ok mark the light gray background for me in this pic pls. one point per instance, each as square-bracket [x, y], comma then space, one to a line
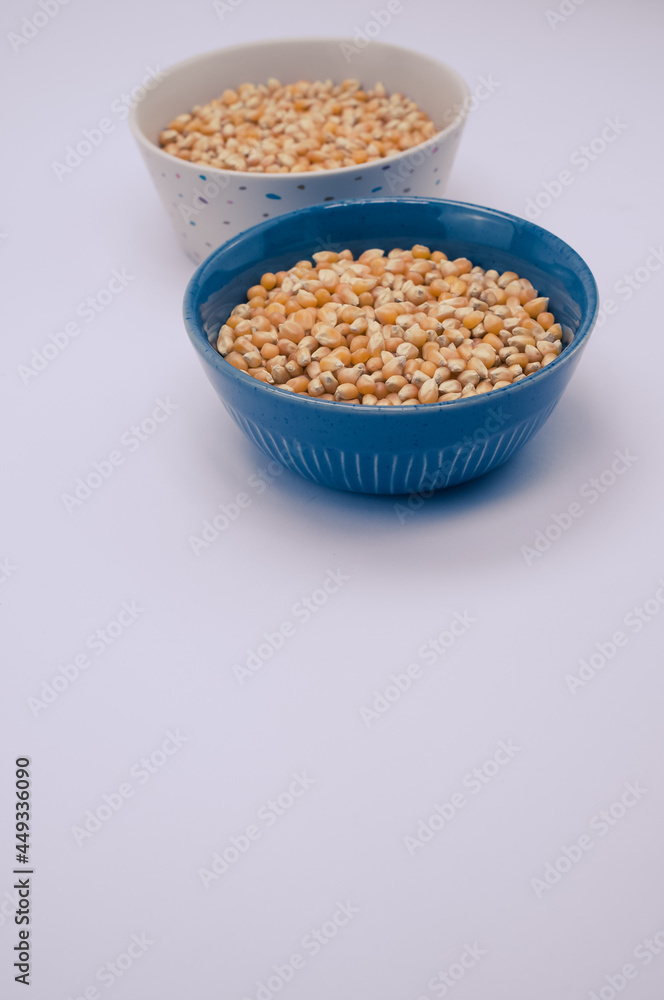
[67, 573]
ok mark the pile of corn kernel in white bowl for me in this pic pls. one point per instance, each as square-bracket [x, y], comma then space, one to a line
[404, 328]
[297, 127]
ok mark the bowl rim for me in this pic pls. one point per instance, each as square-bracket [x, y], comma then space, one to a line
[208, 352]
[456, 123]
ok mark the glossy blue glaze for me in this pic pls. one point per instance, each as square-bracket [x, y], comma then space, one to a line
[370, 449]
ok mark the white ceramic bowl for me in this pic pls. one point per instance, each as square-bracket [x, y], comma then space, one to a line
[208, 206]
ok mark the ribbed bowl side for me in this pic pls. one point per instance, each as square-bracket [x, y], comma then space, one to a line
[386, 472]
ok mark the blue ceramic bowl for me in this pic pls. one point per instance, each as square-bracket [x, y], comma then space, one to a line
[385, 449]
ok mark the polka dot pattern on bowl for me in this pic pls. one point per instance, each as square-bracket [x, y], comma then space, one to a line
[209, 208]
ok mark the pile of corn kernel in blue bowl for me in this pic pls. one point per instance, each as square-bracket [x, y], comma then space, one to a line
[401, 328]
